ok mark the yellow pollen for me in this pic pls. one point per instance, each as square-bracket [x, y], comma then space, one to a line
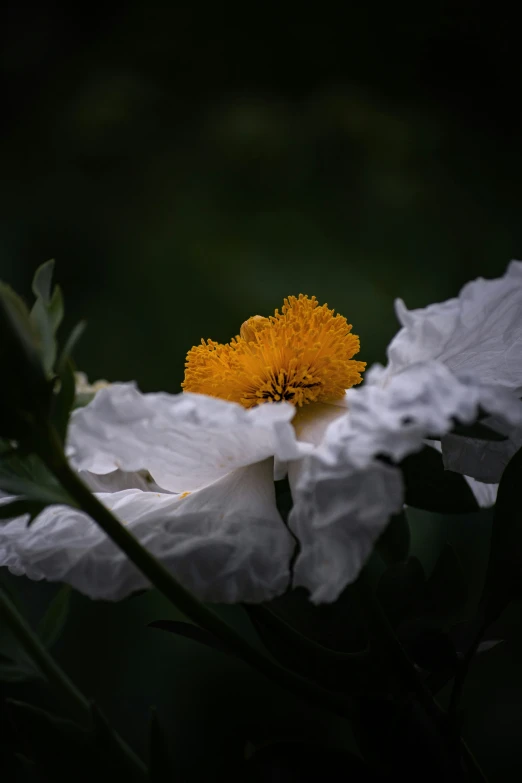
[302, 354]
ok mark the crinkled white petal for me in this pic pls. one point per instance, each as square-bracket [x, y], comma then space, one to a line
[424, 399]
[339, 512]
[225, 542]
[478, 332]
[185, 441]
[344, 495]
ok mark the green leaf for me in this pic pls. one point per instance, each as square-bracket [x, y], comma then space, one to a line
[43, 324]
[347, 672]
[47, 313]
[17, 669]
[63, 400]
[115, 754]
[284, 500]
[56, 309]
[504, 574]
[394, 544]
[26, 476]
[447, 585]
[160, 767]
[193, 632]
[70, 344]
[18, 508]
[401, 589]
[53, 621]
[432, 488]
[42, 281]
[29, 490]
[478, 431]
[25, 391]
[42, 733]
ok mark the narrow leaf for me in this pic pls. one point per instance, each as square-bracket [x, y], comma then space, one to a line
[18, 508]
[193, 632]
[394, 544]
[64, 400]
[70, 344]
[42, 281]
[54, 619]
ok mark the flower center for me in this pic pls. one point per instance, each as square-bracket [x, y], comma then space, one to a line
[302, 354]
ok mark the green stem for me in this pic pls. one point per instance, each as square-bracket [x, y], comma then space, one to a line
[50, 450]
[77, 705]
[73, 700]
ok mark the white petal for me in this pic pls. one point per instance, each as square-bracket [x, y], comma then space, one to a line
[485, 494]
[339, 512]
[185, 441]
[343, 495]
[478, 332]
[118, 480]
[226, 542]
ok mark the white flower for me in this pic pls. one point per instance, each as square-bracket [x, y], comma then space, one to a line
[449, 362]
[479, 334]
[191, 476]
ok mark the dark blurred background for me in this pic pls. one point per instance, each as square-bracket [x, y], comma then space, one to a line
[189, 165]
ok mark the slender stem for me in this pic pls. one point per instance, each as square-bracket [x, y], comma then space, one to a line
[50, 450]
[73, 700]
[77, 704]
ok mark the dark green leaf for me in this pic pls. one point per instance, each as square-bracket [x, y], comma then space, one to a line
[432, 488]
[284, 500]
[70, 344]
[43, 324]
[478, 431]
[349, 672]
[504, 574]
[29, 490]
[447, 586]
[429, 647]
[17, 670]
[63, 401]
[193, 632]
[18, 508]
[42, 281]
[394, 544]
[401, 589]
[56, 308]
[43, 733]
[160, 767]
[25, 392]
[54, 619]
[116, 756]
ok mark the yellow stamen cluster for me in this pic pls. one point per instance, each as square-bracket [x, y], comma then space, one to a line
[302, 354]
